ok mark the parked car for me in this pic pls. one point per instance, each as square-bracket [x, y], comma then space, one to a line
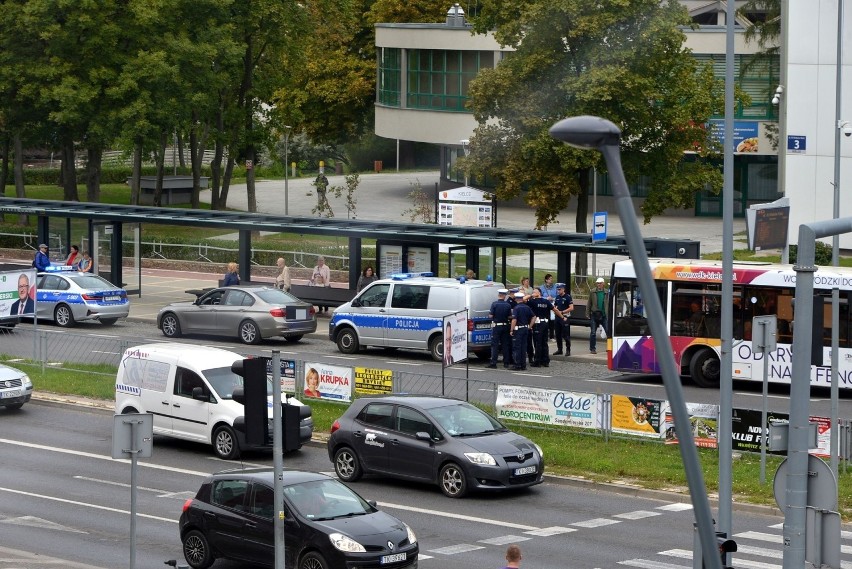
[66, 297]
[438, 440]
[251, 313]
[328, 526]
[8, 322]
[15, 387]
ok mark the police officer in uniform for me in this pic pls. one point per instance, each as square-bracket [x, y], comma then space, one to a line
[565, 304]
[522, 319]
[501, 315]
[542, 308]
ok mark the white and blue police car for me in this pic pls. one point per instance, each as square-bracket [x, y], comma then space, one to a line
[67, 296]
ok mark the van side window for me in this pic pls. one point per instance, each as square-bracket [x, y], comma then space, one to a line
[376, 295]
[187, 380]
[410, 296]
[230, 493]
[377, 415]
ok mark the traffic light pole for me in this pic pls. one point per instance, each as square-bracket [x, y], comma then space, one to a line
[278, 458]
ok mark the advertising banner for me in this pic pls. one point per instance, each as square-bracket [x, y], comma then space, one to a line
[288, 375]
[548, 406]
[636, 416]
[373, 380]
[18, 293]
[325, 381]
[455, 338]
[704, 419]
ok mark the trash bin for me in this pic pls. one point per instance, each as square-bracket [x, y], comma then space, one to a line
[377, 165]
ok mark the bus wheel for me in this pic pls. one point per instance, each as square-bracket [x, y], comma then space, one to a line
[705, 369]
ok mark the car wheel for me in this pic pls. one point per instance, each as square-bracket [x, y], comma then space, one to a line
[436, 348]
[108, 321]
[295, 338]
[453, 481]
[313, 560]
[14, 406]
[170, 325]
[225, 443]
[196, 550]
[129, 410]
[249, 333]
[347, 341]
[346, 465]
[705, 369]
[63, 316]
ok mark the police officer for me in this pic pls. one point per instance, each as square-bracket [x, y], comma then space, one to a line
[522, 319]
[501, 315]
[565, 304]
[542, 308]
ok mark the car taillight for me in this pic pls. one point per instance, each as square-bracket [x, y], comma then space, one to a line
[277, 312]
[470, 325]
[187, 504]
[88, 297]
[312, 311]
[335, 426]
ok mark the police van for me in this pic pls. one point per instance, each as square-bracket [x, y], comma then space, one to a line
[189, 390]
[407, 310]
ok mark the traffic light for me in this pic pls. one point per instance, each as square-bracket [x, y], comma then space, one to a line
[290, 418]
[724, 546]
[253, 397]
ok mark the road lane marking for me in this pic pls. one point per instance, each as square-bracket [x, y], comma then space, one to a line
[503, 540]
[34, 522]
[637, 515]
[675, 507]
[454, 549]
[182, 495]
[457, 516]
[30, 559]
[596, 523]
[553, 530]
[83, 504]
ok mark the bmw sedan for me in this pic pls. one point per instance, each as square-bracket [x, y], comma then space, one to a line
[437, 440]
[251, 313]
[327, 525]
[67, 297]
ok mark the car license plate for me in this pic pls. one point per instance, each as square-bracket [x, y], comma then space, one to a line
[393, 558]
[524, 470]
[112, 298]
[10, 393]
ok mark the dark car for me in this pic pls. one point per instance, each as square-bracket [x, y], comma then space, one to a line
[327, 525]
[250, 313]
[432, 439]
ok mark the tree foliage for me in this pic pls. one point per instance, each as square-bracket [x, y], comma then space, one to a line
[622, 60]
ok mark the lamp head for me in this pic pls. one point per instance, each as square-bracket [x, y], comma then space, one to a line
[586, 132]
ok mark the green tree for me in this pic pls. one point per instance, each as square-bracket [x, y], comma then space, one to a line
[621, 60]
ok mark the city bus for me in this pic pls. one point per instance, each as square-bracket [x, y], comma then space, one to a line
[690, 291]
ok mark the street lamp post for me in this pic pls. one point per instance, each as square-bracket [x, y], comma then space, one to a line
[286, 169]
[601, 134]
[466, 149]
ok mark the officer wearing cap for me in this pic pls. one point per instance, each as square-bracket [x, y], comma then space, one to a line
[501, 315]
[41, 261]
[565, 304]
[598, 301]
[522, 319]
[542, 308]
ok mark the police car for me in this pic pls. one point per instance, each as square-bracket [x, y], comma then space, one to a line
[67, 296]
[407, 311]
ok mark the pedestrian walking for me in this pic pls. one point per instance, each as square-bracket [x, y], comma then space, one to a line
[41, 261]
[548, 291]
[282, 279]
[321, 184]
[501, 316]
[231, 277]
[543, 309]
[321, 276]
[513, 557]
[565, 304]
[598, 301]
[522, 319]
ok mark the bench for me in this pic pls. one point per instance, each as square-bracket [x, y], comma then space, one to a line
[176, 189]
[578, 316]
[322, 295]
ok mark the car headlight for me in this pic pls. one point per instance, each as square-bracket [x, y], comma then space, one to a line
[412, 539]
[345, 543]
[538, 448]
[481, 458]
[27, 381]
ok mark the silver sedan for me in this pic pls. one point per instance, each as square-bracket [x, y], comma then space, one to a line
[247, 312]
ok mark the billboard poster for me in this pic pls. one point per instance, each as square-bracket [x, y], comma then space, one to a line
[636, 416]
[703, 420]
[548, 406]
[419, 259]
[18, 293]
[390, 260]
[455, 338]
[373, 380]
[325, 381]
[288, 374]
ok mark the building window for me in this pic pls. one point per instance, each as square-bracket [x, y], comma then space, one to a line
[439, 79]
[757, 75]
[390, 74]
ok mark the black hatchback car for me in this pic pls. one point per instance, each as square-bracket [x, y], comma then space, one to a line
[327, 525]
[432, 439]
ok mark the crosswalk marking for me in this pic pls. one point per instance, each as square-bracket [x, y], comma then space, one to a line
[740, 562]
[637, 515]
[676, 507]
[760, 536]
[503, 540]
[453, 549]
[646, 564]
[546, 532]
[596, 523]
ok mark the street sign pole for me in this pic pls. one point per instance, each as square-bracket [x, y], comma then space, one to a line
[133, 435]
[278, 459]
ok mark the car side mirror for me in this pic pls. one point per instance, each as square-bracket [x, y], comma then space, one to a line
[373, 503]
[199, 395]
[423, 436]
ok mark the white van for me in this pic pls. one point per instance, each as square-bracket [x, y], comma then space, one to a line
[407, 310]
[160, 379]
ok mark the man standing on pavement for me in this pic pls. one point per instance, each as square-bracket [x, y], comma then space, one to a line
[522, 319]
[548, 291]
[542, 308]
[565, 304]
[598, 301]
[500, 314]
[41, 261]
[513, 557]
